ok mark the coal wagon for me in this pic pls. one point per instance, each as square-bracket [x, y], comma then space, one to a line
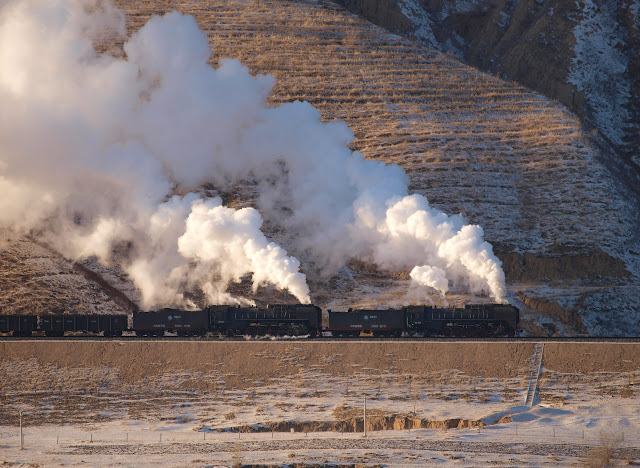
[59, 325]
[18, 325]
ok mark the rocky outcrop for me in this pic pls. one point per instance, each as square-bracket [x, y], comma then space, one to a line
[561, 264]
[552, 309]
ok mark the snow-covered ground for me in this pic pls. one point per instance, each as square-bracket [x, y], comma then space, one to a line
[576, 415]
[148, 445]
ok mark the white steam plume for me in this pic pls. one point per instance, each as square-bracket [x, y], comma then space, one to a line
[92, 147]
[232, 241]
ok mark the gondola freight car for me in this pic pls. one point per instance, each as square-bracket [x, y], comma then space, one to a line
[18, 325]
[107, 325]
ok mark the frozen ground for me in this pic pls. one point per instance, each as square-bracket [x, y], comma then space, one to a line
[302, 404]
[157, 444]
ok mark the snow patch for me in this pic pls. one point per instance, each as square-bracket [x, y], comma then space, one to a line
[421, 20]
[599, 67]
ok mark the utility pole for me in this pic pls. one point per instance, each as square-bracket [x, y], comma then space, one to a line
[21, 437]
[365, 415]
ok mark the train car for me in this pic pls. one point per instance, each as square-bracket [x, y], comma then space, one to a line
[51, 325]
[108, 325]
[18, 325]
[472, 320]
[274, 320]
[182, 322]
[388, 322]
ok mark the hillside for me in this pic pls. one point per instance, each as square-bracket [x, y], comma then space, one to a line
[510, 160]
[583, 54]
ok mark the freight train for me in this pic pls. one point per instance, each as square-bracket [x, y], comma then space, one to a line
[482, 320]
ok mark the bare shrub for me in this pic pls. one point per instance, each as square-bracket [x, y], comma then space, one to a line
[604, 454]
[237, 458]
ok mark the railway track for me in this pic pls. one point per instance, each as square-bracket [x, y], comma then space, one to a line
[170, 338]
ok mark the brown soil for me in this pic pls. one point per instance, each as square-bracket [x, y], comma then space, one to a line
[394, 422]
[250, 361]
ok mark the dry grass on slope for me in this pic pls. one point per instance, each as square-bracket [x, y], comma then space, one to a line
[511, 160]
[36, 280]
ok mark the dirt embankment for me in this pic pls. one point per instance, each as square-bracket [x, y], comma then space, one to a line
[242, 362]
[356, 424]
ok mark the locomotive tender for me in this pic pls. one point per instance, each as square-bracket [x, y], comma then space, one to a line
[279, 320]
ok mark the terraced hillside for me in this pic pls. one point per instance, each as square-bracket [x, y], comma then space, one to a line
[584, 54]
[510, 160]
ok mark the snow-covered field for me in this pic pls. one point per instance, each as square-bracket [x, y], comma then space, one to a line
[136, 443]
[542, 436]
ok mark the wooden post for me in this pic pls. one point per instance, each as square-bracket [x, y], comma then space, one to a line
[365, 415]
[21, 436]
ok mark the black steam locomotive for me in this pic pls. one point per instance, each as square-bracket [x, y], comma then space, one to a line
[472, 320]
[280, 320]
[274, 320]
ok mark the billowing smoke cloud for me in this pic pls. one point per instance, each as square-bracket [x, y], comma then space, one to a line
[93, 150]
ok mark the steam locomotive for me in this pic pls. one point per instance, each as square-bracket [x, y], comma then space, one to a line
[482, 320]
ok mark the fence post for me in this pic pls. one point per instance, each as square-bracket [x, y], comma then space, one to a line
[365, 415]
[21, 436]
